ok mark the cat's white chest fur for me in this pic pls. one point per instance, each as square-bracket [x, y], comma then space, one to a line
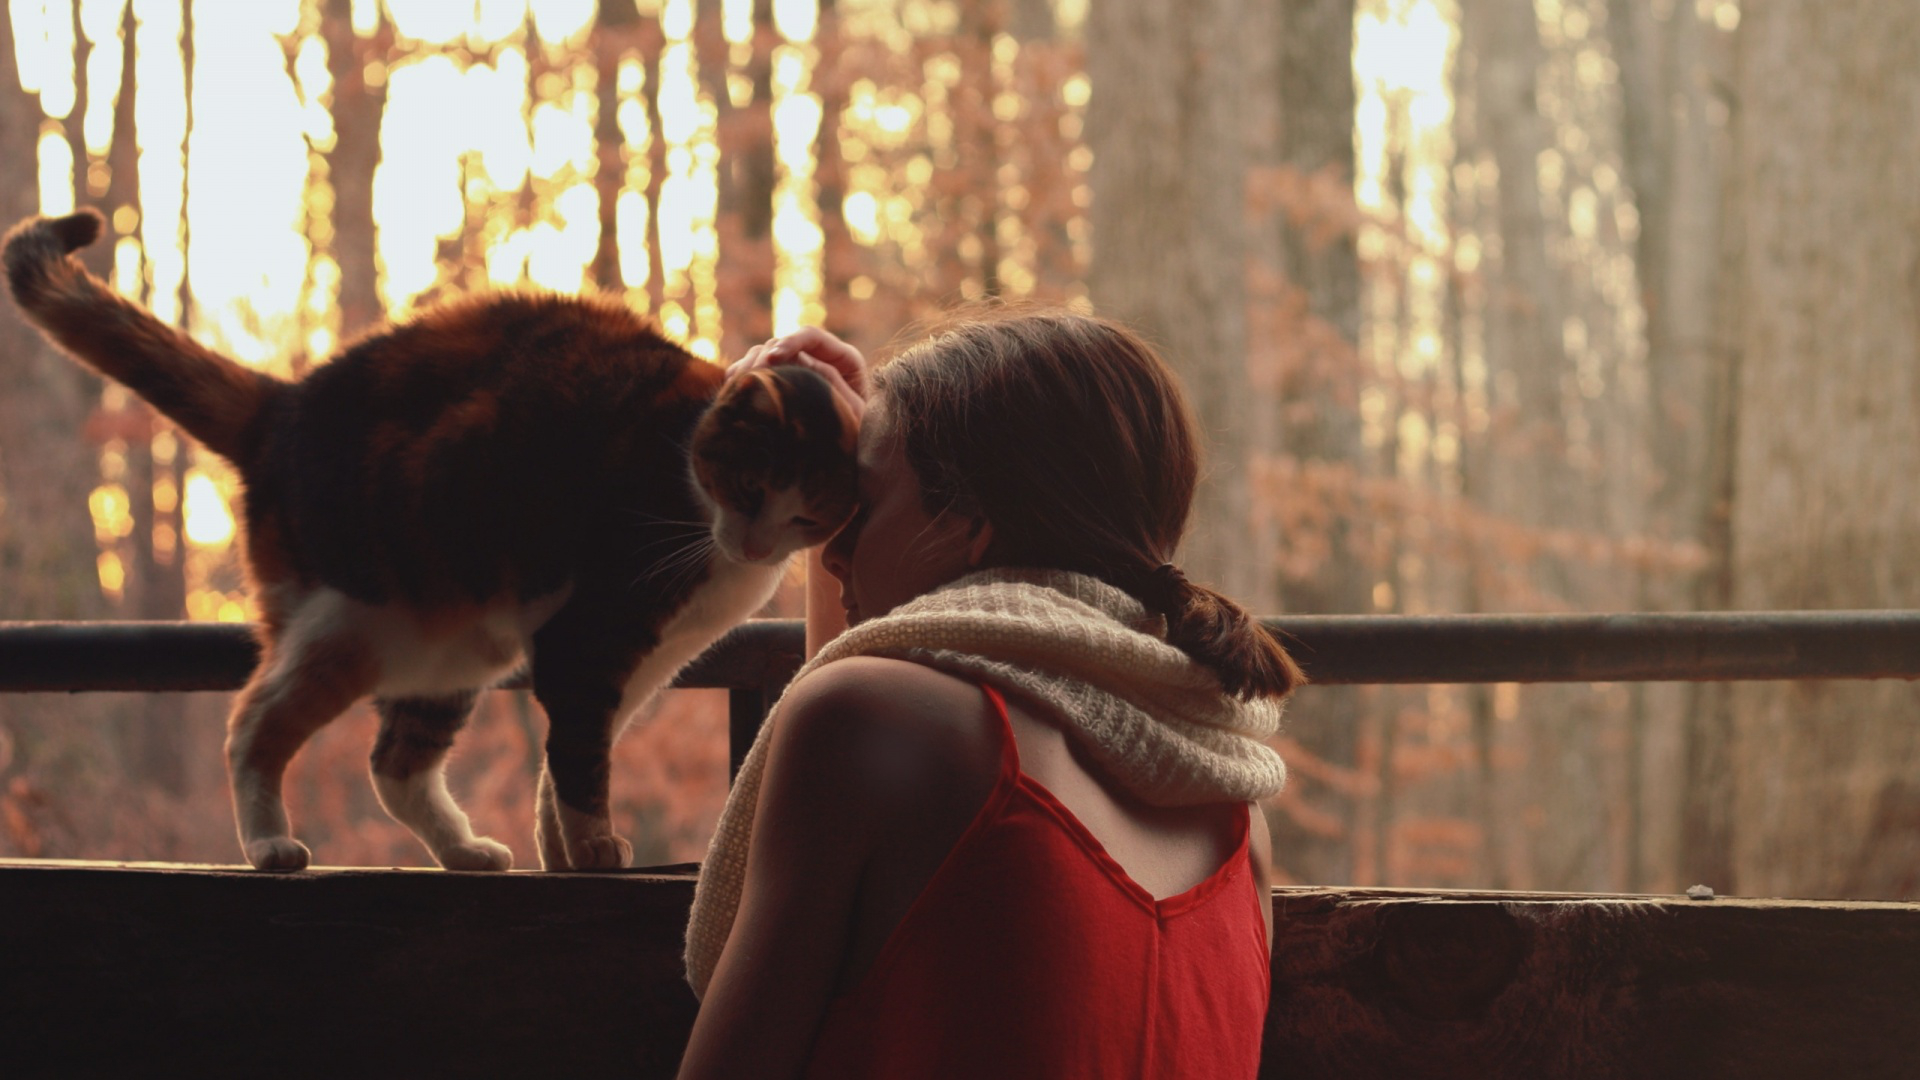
[732, 593]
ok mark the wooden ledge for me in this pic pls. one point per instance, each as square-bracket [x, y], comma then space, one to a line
[132, 968]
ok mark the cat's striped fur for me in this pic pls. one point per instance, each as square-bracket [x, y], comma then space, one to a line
[513, 479]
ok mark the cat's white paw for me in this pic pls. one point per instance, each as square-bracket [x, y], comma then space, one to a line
[606, 852]
[483, 853]
[277, 853]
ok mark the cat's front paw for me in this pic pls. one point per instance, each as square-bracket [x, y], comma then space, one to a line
[277, 853]
[481, 853]
[604, 852]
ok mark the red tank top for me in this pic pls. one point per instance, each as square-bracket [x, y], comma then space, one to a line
[1031, 953]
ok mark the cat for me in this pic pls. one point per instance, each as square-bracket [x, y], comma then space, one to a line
[506, 480]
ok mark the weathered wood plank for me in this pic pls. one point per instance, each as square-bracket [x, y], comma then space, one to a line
[225, 972]
[1524, 985]
[134, 969]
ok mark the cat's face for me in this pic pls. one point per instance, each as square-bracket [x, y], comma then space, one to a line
[774, 460]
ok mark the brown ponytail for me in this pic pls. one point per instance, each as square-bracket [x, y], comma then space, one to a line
[1219, 634]
[1072, 436]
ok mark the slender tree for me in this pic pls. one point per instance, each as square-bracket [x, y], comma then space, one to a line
[1167, 135]
[1533, 471]
[47, 568]
[1307, 309]
[1672, 82]
[356, 109]
[1824, 325]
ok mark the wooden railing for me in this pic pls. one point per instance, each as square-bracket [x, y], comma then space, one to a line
[132, 969]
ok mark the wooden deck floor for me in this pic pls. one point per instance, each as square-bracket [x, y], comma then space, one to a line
[143, 969]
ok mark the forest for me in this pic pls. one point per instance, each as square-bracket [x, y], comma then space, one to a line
[1485, 306]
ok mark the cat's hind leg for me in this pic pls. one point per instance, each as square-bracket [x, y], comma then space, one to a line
[303, 682]
[410, 776]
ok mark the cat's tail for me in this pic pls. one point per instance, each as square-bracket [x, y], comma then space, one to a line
[217, 400]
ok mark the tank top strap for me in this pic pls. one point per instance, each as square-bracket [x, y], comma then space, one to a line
[1009, 749]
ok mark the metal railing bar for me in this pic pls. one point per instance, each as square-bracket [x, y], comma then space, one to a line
[763, 654]
[75, 657]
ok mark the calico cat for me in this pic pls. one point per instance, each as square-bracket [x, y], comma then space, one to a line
[506, 480]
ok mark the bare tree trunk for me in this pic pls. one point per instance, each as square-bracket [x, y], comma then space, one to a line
[1302, 98]
[1167, 137]
[616, 30]
[47, 547]
[839, 256]
[1827, 446]
[747, 178]
[975, 130]
[1549, 463]
[1672, 70]
[152, 746]
[47, 568]
[356, 125]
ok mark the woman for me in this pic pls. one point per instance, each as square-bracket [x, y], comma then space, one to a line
[1001, 826]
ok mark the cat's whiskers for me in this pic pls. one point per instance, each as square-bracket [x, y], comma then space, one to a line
[680, 564]
[689, 538]
[655, 519]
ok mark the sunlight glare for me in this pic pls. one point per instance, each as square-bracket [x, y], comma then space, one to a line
[684, 219]
[564, 23]
[56, 170]
[112, 511]
[434, 21]
[315, 83]
[799, 242]
[498, 20]
[796, 19]
[736, 21]
[247, 176]
[28, 19]
[209, 522]
[47, 37]
[496, 99]
[417, 195]
[1403, 50]
[631, 210]
[562, 137]
[630, 222]
[160, 137]
[100, 22]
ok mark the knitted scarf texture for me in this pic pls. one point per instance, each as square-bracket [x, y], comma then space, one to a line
[1093, 656]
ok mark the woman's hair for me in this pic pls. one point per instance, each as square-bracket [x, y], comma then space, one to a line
[1072, 436]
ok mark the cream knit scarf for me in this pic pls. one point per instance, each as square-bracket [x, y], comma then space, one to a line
[1154, 719]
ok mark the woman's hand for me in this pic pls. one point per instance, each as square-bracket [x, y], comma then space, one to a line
[840, 363]
[846, 373]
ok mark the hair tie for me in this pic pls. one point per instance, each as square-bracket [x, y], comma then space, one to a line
[1163, 588]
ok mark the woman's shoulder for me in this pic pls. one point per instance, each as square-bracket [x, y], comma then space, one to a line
[888, 723]
[878, 684]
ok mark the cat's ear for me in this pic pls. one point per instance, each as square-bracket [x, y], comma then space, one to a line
[767, 395]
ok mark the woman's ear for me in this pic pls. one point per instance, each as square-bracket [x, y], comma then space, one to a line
[979, 539]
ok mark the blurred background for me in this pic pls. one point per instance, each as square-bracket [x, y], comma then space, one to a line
[1486, 305]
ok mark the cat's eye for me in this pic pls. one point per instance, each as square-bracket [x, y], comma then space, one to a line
[802, 521]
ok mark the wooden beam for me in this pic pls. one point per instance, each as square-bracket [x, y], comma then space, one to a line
[1405, 984]
[116, 969]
